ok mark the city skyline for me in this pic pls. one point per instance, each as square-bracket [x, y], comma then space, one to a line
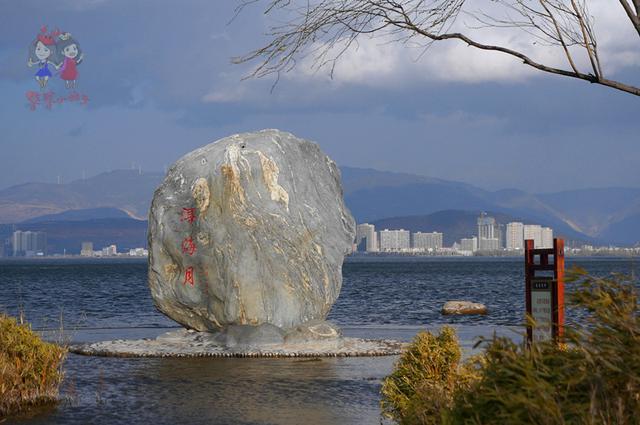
[367, 239]
[489, 238]
[34, 244]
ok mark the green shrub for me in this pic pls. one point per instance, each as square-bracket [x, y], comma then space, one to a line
[30, 369]
[425, 378]
[611, 345]
[517, 385]
[592, 378]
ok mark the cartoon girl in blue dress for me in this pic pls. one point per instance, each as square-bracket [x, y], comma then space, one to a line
[42, 52]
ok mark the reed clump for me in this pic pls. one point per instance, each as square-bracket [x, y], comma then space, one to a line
[592, 378]
[30, 369]
[426, 378]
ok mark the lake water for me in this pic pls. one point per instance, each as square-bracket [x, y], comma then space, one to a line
[381, 297]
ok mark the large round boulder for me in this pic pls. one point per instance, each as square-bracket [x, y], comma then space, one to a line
[249, 230]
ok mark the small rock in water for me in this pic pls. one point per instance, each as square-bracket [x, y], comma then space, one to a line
[249, 230]
[463, 307]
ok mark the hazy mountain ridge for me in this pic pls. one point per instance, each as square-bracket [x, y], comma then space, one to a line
[606, 215]
[626, 231]
[127, 190]
[355, 179]
[80, 215]
[575, 220]
[614, 205]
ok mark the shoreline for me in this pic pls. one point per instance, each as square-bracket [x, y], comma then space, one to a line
[71, 257]
[348, 259]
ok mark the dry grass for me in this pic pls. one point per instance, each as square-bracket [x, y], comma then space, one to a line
[30, 369]
[593, 378]
[425, 379]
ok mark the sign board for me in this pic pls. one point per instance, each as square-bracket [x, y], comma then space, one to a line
[545, 293]
[541, 302]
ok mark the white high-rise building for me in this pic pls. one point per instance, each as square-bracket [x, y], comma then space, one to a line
[489, 244]
[28, 243]
[110, 250]
[469, 244]
[547, 237]
[427, 241]
[486, 227]
[138, 252]
[394, 240]
[366, 237]
[86, 249]
[514, 236]
[489, 233]
[533, 231]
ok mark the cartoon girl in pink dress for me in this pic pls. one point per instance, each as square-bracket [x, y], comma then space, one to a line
[70, 56]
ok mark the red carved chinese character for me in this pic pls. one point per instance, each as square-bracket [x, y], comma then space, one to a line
[34, 99]
[188, 276]
[48, 99]
[85, 99]
[188, 214]
[188, 246]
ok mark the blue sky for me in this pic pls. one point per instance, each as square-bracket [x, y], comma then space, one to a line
[161, 83]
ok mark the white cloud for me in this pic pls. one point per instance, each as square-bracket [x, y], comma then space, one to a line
[377, 61]
[619, 44]
[228, 94]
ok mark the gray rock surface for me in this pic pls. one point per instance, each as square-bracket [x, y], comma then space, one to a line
[463, 307]
[189, 343]
[246, 336]
[249, 230]
[313, 331]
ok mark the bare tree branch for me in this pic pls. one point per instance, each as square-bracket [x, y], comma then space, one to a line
[560, 37]
[326, 29]
[589, 44]
[633, 17]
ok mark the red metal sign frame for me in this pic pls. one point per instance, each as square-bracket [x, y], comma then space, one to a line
[557, 283]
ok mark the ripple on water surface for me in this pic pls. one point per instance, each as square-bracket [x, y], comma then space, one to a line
[411, 291]
[380, 298]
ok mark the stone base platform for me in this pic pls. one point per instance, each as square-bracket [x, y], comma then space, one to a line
[185, 343]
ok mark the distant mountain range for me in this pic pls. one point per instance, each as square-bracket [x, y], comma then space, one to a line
[79, 215]
[591, 215]
[386, 199]
[126, 190]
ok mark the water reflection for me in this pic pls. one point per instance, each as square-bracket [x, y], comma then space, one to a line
[221, 391]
